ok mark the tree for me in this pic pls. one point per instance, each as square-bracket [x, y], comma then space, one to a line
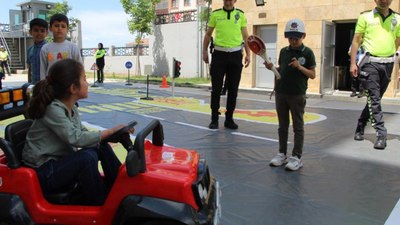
[142, 15]
[204, 18]
[205, 15]
[64, 8]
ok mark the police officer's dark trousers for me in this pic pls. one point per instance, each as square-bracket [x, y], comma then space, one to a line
[375, 78]
[227, 64]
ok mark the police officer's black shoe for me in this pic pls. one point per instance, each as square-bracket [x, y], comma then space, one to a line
[353, 94]
[358, 136]
[361, 94]
[213, 125]
[230, 124]
[380, 143]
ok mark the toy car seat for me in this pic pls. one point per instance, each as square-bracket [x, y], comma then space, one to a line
[12, 146]
[15, 134]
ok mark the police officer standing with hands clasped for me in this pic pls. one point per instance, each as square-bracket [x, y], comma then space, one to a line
[230, 25]
[378, 31]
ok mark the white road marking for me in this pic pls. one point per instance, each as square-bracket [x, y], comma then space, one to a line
[256, 137]
[195, 126]
[97, 127]
[153, 117]
[89, 125]
[394, 216]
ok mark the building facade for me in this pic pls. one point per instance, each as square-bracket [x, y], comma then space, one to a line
[330, 28]
[177, 33]
[15, 35]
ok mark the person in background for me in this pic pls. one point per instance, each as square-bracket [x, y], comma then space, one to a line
[2, 77]
[355, 83]
[378, 31]
[60, 48]
[4, 60]
[38, 30]
[99, 55]
[296, 65]
[230, 25]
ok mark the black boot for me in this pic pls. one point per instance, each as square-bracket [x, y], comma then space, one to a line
[380, 143]
[359, 135]
[213, 125]
[361, 94]
[214, 119]
[229, 123]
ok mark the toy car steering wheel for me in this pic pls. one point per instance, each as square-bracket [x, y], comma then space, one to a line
[123, 130]
[122, 135]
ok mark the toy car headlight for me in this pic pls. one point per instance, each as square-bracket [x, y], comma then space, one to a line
[29, 90]
[202, 185]
[202, 191]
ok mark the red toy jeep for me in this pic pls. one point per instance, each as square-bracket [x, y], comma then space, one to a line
[157, 185]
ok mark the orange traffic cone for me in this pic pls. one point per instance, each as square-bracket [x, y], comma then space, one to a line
[164, 83]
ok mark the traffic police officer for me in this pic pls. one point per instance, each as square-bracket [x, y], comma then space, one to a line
[4, 59]
[230, 25]
[379, 32]
[100, 62]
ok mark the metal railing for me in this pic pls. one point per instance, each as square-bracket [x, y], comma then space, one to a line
[118, 51]
[12, 31]
[131, 51]
[90, 51]
[177, 17]
[4, 27]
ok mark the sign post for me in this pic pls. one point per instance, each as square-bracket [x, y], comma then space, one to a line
[128, 65]
[147, 70]
[94, 68]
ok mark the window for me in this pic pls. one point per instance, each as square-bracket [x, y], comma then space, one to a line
[43, 14]
[187, 2]
[16, 19]
[162, 5]
[174, 4]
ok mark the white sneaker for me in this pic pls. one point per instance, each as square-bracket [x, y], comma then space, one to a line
[294, 163]
[278, 160]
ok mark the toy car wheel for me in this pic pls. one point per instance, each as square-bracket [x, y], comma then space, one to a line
[162, 222]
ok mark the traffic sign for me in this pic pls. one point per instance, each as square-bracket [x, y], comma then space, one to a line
[128, 65]
[94, 67]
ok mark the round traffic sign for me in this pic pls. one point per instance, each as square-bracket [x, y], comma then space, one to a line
[128, 64]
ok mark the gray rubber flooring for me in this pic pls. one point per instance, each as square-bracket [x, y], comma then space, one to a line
[342, 182]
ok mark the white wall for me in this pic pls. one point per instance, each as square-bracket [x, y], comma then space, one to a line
[179, 40]
[116, 64]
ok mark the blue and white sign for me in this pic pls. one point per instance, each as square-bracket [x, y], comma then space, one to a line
[128, 65]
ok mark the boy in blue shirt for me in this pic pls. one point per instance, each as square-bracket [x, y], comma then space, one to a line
[38, 30]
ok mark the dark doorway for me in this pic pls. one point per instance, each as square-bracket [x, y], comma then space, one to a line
[344, 36]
